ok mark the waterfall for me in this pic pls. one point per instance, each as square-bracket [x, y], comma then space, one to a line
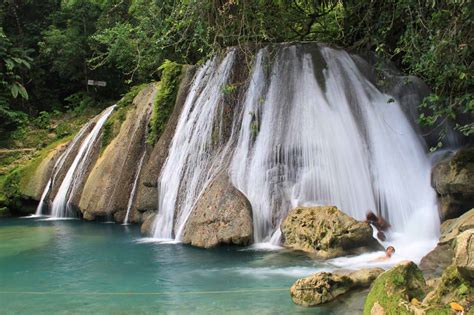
[192, 160]
[312, 129]
[58, 166]
[134, 188]
[75, 173]
[329, 136]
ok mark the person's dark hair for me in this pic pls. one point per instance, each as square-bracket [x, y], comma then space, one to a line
[371, 217]
[391, 247]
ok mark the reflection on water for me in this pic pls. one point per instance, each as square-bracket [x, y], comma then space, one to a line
[81, 267]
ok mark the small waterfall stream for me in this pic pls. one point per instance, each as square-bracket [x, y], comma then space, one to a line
[75, 173]
[311, 130]
[58, 166]
[134, 188]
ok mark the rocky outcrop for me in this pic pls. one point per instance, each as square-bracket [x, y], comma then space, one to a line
[222, 215]
[324, 287]
[453, 181]
[326, 231]
[394, 290]
[36, 182]
[464, 257]
[147, 191]
[109, 183]
[455, 283]
[436, 261]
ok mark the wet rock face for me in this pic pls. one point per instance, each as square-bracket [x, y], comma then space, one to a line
[434, 263]
[453, 181]
[222, 215]
[147, 190]
[393, 290]
[109, 183]
[326, 231]
[324, 287]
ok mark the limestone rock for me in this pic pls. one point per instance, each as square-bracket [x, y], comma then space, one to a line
[450, 229]
[109, 183]
[36, 183]
[324, 287]
[453, 181]
[434, 263]
[325, 231]
[147, 225]
[147, 191]
[222, 215]
[393, 290]
[319, 288]
[88, 216]
[464, 257]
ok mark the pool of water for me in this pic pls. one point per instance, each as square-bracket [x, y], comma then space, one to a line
[81, 267]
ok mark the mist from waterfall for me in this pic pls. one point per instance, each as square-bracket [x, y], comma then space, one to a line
[74, 176]
[311, 130]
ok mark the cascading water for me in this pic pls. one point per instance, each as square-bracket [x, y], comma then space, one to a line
[58, 166]
[311, 130]
[134, 188]
[192, 161]
[75, 173]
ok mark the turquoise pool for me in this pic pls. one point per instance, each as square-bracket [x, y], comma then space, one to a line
[72, 267]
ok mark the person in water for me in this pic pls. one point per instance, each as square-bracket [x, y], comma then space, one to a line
[388, 254]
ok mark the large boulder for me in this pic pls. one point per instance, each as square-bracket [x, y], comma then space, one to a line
[148, 223]
[453, 181]
[222, 215]
[394, 290]
[326, 232]
[324, 287]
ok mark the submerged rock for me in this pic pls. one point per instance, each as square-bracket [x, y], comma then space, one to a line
[324, 287]
[222, 215]
[452, 180]
[326, 231]
[393, 290]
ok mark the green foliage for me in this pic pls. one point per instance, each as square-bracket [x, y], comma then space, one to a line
[113, 124]
[165, 99]
[429, 39]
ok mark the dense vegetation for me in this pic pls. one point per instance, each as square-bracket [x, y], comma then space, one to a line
[50, 48]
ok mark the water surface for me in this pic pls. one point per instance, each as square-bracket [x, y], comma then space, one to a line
[72, 267]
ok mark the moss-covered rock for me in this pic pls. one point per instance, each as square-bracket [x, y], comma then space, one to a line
[326, 232]
[393, 290]
[165, 99]
[323, 287]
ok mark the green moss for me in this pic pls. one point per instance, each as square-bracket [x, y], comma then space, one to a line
[395, 288]
[13, 183]
[113, 124]
[165, 99]
[452, 287]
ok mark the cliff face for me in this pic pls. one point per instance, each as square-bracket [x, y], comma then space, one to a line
[108, 186]
[113, 167]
